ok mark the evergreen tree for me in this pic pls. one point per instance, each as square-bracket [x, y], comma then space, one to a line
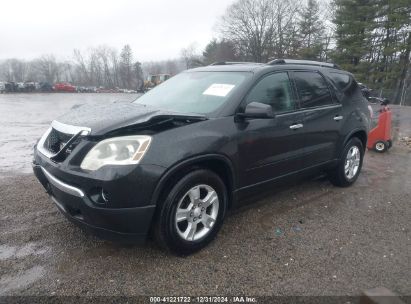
[138, 73]
[216, 51]
[394, 21]
[311, 31]
[126, 66]
[355, 23]
[373, 41]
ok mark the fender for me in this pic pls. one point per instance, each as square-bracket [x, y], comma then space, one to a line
[349, 135]
[186, 163]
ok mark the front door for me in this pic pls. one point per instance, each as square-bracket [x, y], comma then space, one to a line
[273, 147]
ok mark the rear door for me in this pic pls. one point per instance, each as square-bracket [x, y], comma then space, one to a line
[323, 117]
[270, 148]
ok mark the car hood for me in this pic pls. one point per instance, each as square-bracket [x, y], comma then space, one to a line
[102, 119]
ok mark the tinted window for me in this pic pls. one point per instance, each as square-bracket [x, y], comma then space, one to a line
[274, 90]
[312, 89]
[340, 80]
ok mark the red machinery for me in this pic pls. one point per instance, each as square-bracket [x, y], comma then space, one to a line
[379, 138]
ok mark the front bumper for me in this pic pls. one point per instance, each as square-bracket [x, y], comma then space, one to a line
[126, 225]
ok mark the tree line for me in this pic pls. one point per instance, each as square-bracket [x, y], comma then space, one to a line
[370, 38]
[102, 66]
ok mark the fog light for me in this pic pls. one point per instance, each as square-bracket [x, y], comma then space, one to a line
[99, 196]
[105, 196]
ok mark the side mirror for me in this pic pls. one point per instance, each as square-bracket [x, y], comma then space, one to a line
[257, 110]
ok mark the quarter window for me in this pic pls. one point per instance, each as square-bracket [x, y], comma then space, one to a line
[312, 89]
[274, 90]
[341, 80]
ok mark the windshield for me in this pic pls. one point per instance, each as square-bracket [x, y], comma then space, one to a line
[194, 92]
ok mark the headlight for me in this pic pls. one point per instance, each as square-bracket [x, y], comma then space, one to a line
[124, 150]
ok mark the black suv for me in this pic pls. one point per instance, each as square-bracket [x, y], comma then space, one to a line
[174, 161]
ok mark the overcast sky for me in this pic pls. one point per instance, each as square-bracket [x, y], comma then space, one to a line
[155, 29]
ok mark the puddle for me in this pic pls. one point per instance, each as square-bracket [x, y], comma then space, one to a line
[11, 252]
[21, 279]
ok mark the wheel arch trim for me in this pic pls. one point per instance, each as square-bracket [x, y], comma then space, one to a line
[164, 179]
[350, 135]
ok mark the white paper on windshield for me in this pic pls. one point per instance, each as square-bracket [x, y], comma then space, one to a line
[219, 89]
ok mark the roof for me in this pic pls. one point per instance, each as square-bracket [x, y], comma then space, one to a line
[253, 66]
[232, 67]
[303, 62]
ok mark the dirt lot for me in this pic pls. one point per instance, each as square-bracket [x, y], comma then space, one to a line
[310, 239]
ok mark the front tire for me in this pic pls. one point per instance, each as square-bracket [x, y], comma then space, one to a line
[350, 164]
[192, 213]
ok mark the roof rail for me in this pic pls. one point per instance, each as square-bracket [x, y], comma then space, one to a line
[304, 62]
[232, 63]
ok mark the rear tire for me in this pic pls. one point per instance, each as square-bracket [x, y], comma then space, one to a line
[350, 164]
[192, 213]
[381, 146]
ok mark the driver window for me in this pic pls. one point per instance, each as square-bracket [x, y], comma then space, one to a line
[274, 90]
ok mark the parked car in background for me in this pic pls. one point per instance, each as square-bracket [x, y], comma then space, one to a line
[106, 90]
[64, 87]
[120, 90]
[2, 87]
[11, 87]
[45, 87]
[129, 91]
[366, 91]
[82, 89]
[29, 87]
[21, 87]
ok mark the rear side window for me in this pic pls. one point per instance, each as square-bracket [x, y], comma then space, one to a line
[341, 81]
[312, 89]
[274, 90]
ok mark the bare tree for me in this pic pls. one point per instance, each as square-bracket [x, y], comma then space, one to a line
[95, 68]
[115, 67]
[105, 56]
[250, 25]
[138, 74]
[171, 67]
[190, 56]
[14, 70]
[47, 68]
[260, 29]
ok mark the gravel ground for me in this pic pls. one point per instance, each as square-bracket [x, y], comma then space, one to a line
[309, 239]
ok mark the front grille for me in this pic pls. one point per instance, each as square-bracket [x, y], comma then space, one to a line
[56, 141]
[60, 140]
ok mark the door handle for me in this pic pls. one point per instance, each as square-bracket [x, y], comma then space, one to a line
[337, 118]
[296, 126]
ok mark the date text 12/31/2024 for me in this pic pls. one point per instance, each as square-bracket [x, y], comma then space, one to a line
[207, 299]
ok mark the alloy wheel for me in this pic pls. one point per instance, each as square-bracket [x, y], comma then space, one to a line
[197, 212]
[352, 162]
